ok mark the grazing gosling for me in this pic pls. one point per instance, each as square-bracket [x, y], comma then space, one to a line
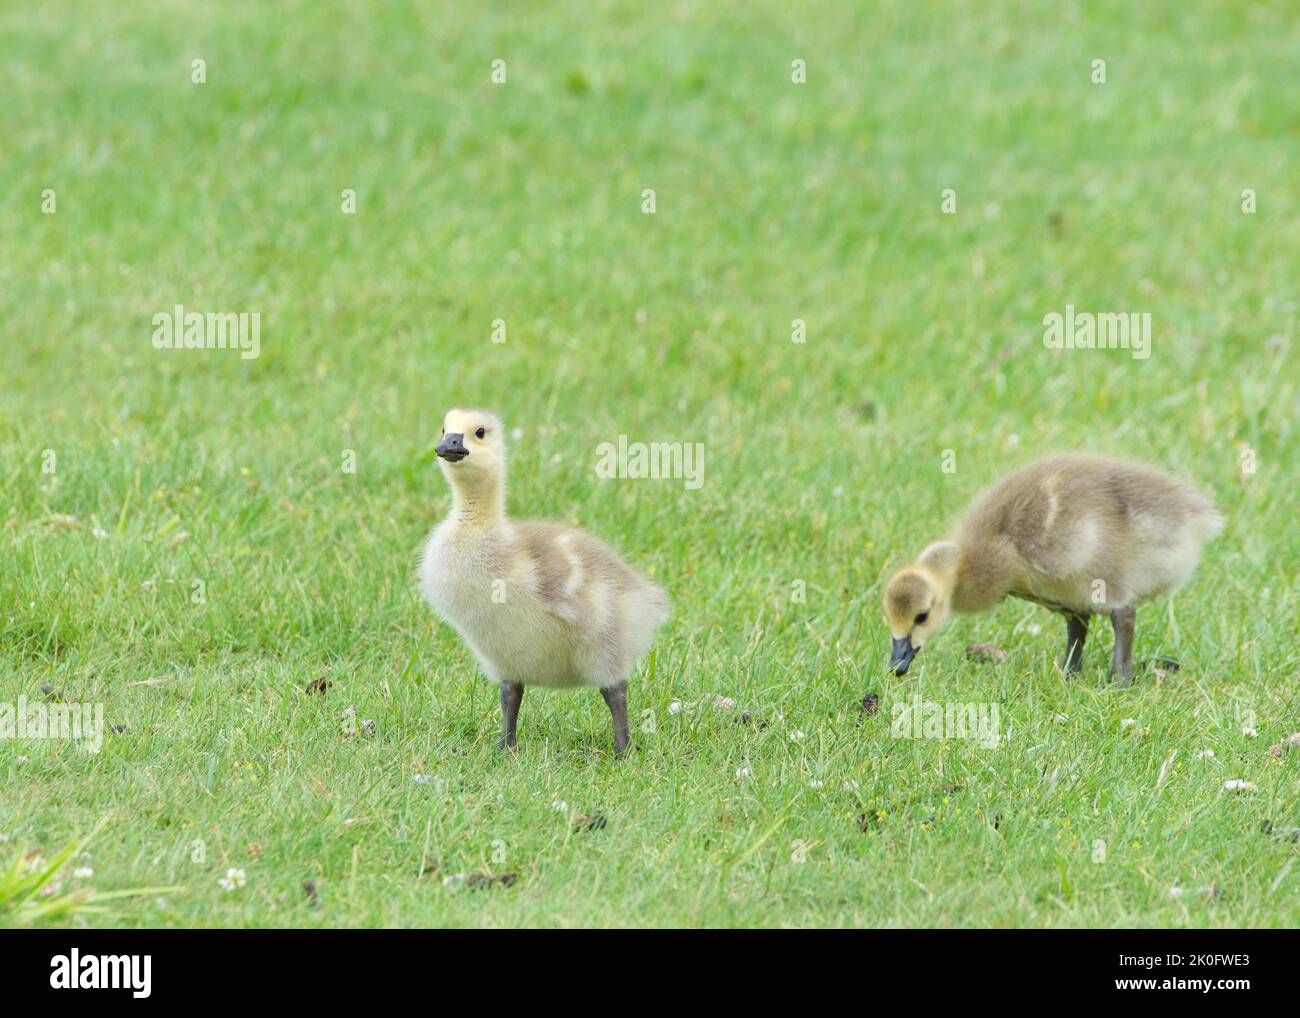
[1078, 533]
[538, 603]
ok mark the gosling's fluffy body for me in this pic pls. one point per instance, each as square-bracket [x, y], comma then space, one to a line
[538, 603]
[1050, 530]
[541, 603]
[1079, 533]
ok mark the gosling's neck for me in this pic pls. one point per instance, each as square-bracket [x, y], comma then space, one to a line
[479, 504]
[973, 576]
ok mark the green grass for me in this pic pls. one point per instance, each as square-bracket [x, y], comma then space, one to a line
[522, 202]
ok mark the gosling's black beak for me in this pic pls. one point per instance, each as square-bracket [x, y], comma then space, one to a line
[452, 448]
[903, 654]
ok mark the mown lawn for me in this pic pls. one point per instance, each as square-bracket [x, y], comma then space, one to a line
[181, 540]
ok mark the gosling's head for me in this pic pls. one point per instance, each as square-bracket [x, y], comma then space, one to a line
[472, 450]
[916, 608]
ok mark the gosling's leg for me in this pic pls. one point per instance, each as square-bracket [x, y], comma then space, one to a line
[512, 695]
[1076, 632]
[616, 700]
[1121, 665]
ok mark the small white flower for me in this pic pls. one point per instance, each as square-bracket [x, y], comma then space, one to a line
[1249, 732]
[1239, 785]
[83, 873]
[796, 736]
[233, 879]
[439, 784]
[1175, 893]
[1061, 718]
[560, 807]
[1205, 754]
[815, 783]
[850, 785]
[1128, 723]
[100, 533]
[675, 707]
[1033, 629]
[743, 773]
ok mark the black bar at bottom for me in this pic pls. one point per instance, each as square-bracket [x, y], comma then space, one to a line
[604, 970]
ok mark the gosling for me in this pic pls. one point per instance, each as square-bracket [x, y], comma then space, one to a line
[1080, 534]
[538, 603]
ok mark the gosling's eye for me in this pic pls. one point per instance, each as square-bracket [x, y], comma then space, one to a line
[480, 433]
[920, 619]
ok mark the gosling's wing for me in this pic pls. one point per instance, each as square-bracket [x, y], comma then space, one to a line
[578, 577]
[1017, 509]
[1055, 512]
[557, 571]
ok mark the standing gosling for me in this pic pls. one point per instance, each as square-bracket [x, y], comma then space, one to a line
[537, 602]
[1077, 533]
